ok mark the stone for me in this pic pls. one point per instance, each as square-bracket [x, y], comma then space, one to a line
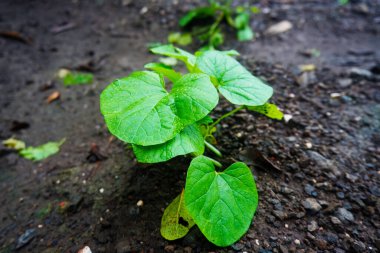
[283, 249]
[237, 246]
[345, 215]
[323, 162]
[344, 82]
[280, 214]
[309, 189]
[359, 246]
[312, 205]
[358, 72]
[25, 238]
[312, 226]
[335, 220]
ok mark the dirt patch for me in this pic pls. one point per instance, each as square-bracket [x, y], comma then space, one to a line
[318, 174]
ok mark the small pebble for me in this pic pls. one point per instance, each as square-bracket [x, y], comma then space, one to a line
[287, 117]
[140, 203]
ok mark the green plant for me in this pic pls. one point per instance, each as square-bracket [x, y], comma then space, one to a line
[162, 124]
[204, 23]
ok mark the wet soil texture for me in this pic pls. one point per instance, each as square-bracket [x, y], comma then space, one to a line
[317, 171]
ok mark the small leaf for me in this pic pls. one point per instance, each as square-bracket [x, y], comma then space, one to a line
[242, 20]
[245, 34]
[234, 82]
[165, 70]
[14, 144]
[255, 10]
[41, 152]
[138, 109]
[222, 204]
[189, 140]
[216, 39]
[174, 52]
[176, 221]
[70, 78]
[182, 39]
[269, 110]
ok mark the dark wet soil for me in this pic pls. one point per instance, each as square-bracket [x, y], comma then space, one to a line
[317, 174]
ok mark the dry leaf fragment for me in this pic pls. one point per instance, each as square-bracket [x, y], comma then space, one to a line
[53, 96]
[13, 35]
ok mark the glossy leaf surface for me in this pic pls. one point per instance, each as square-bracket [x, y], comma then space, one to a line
[235, 83]
[222, 204]
[138, 109]
[189, 140]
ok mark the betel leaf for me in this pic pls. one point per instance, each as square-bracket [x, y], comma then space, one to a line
[268, 109]
[165, 70]
[222, 204]
[234, 82]
[41, 152]
[138, 109]
[189, 140]
[174, 52]
[176, 221]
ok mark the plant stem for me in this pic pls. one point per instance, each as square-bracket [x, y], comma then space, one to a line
[226, 115]
[213, 149]
[215, 162]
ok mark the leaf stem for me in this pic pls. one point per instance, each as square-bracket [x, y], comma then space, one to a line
[215, 162]
[226, 115]
[213, 149]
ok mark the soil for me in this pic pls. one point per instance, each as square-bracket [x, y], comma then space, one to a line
[317, 173]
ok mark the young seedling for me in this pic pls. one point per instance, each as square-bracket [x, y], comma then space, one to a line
[204, 23]
[162, 124]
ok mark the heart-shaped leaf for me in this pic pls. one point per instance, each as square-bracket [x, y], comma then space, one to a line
[138, 109]
[234, 82]
[176, 220]
[222, 204]
[189, 140]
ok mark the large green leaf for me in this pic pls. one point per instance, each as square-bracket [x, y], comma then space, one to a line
[268, 109]
[175, 52]
[234, 82]
[176, 220]
[222, 204]
[189, 140]
[138, 109]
